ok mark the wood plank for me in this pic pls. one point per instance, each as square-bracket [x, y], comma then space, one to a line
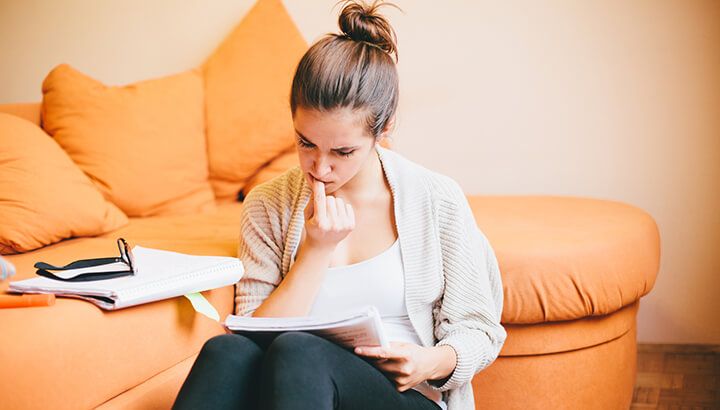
[659, 380]
[677, 348]
[707, 364]
[677, 377]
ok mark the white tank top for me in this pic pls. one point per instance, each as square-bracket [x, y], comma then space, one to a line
[378, 281]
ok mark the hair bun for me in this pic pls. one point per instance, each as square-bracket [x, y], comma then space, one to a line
[361, 22]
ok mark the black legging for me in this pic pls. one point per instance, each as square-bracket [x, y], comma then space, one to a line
[296, 371]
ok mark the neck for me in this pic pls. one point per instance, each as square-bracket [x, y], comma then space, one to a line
[367, 184]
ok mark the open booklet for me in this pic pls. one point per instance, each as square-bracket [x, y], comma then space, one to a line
[156, 275]
[357, 327]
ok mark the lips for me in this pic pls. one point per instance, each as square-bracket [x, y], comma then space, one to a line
[318, 179]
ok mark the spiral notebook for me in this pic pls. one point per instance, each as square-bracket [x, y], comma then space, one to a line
[159, 274]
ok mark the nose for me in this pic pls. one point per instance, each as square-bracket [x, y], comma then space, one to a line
[321, 167]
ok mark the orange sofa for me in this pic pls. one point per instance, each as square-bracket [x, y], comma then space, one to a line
[574, 269]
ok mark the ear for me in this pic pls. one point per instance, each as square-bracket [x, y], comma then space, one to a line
[389, 125]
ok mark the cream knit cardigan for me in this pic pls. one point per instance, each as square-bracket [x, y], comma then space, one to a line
[453, 290]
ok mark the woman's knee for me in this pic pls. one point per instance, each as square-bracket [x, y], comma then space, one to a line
[297, 350]
[230, 347]
[298, 344]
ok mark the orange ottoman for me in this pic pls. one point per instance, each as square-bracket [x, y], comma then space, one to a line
[573, 271]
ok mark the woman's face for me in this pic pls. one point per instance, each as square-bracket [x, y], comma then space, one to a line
[332, 146]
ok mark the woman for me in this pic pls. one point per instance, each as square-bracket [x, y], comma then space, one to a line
[356, 224]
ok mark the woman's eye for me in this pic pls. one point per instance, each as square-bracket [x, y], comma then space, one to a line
[304, 144]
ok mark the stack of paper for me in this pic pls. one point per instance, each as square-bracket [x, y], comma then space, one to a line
[361, 327]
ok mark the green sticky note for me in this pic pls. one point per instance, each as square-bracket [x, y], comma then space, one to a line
[202, 306]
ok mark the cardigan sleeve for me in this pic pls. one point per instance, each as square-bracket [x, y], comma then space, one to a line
[467, 318]
[259, 253]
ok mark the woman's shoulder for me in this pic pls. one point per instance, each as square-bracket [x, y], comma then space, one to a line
[278, 192]
[436, 183]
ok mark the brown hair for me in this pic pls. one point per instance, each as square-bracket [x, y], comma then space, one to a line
[354, 69]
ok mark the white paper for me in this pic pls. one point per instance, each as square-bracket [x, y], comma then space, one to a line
[360, 327]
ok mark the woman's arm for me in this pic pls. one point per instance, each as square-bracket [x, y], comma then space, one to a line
[445, 359]
[296, 293]
[328, 220]
[469, 314]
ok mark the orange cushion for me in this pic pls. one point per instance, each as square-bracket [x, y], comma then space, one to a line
[565, 258]
[143, 144]
[44, 196]
[247, 82]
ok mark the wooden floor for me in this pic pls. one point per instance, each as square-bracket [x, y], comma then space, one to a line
[677, 377]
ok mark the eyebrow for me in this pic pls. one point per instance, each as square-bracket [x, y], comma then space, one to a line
[333, 149]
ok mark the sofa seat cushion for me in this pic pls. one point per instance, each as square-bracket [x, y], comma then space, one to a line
[82, 355]
[158, 392]
[219, 229]
[565, 258]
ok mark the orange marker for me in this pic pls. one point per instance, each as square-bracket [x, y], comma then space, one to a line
[16, 301]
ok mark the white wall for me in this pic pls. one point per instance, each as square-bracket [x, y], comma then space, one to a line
[607, 99]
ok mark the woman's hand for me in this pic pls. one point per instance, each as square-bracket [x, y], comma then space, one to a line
[408, 364]
[328, 219]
